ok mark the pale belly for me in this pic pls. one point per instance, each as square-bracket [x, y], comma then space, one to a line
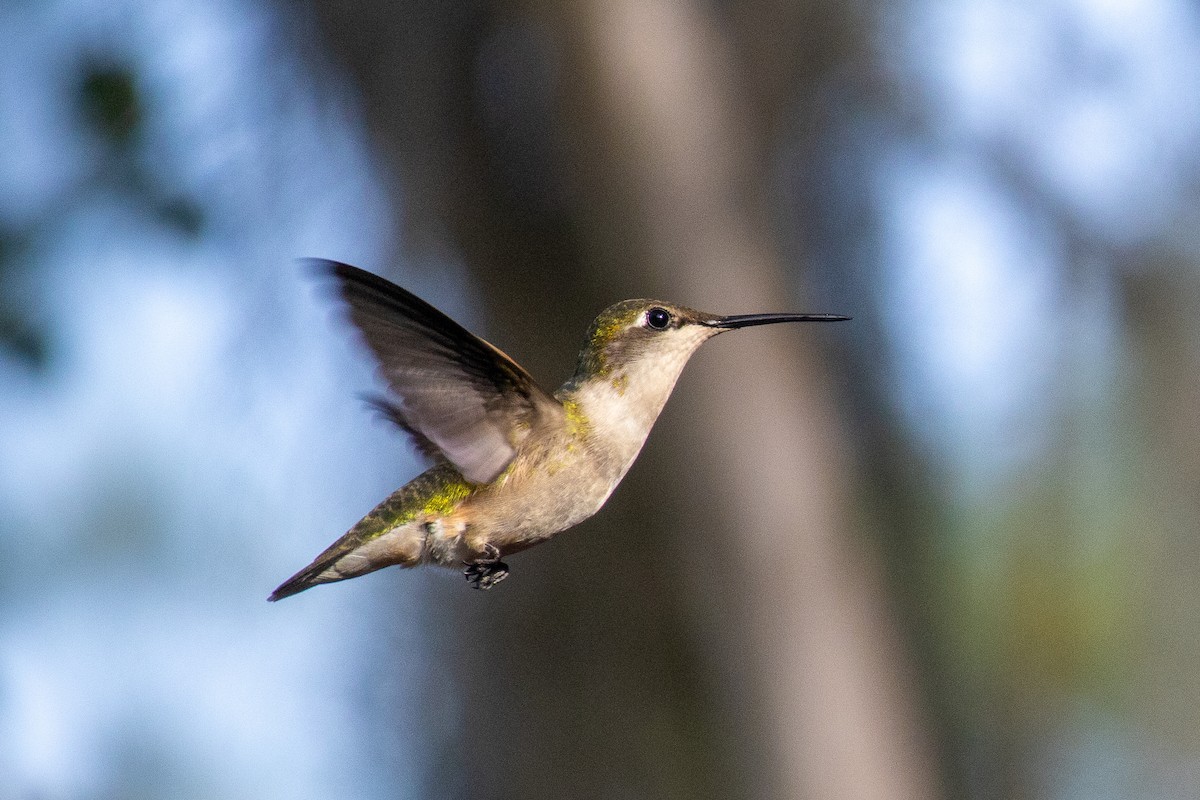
[519, 513]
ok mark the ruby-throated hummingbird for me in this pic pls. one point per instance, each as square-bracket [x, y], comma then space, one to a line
[513, 463]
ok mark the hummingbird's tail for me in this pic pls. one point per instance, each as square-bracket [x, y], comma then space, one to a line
[350, 557]
[304, 579]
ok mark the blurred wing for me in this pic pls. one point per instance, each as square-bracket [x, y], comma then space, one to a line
[458, 393]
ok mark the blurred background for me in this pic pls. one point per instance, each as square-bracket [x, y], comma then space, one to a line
[948, 549]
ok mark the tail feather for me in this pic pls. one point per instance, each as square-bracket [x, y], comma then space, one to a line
[314, 574]
[350, 557]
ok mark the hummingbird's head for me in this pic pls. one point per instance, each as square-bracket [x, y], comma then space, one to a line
[636, 336]
[634, 354]
[631, 332]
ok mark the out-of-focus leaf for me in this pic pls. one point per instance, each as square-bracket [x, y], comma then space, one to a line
[111, 103]
[18, 334]
[183, 215]
[21, 337]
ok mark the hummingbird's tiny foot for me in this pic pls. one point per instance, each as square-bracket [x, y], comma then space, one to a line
[486, 574]
[487, 570]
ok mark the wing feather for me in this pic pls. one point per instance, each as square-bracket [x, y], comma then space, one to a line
[456, 392]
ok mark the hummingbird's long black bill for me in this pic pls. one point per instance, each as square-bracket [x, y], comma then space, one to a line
[747, 320]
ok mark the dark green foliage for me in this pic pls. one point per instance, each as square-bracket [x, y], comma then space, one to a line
[110, 103]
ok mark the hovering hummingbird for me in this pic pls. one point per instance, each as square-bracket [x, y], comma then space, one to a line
[512, 463]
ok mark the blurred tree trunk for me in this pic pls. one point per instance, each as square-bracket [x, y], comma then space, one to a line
[719, 630]
[1160, 294]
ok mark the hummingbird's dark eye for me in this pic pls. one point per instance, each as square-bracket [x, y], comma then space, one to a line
[658, 318]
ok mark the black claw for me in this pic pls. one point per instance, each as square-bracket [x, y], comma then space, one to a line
[486, 572]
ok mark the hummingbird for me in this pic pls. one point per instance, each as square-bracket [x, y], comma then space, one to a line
[512, 464]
